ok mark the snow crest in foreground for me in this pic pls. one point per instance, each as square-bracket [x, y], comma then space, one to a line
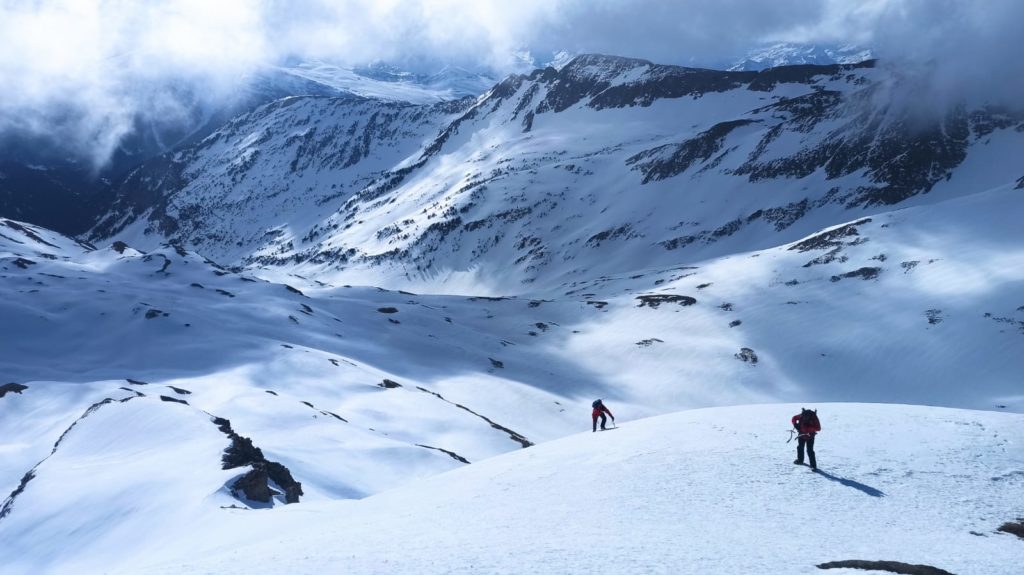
[704, 491]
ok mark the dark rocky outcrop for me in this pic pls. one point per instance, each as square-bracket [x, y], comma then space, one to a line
[388, 384]
[830, 239]
[671, 160]
[255, 485]
[654, 300]
[891, 566]
[518, 438]
[173, 400]
[865, 273]
[451, 454]
[9, 502]
[746, 355]
[12, 388]
[1013, 528]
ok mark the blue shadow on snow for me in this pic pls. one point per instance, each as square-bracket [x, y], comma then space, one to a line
[854, 484]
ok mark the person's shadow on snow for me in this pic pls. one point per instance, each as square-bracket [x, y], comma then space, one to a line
[851, 483]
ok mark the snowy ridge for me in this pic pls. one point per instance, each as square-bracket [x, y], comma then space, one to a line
[389, 83]
[789, 54]
[706, 491]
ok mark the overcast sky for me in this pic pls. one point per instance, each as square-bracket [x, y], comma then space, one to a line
[85, 68]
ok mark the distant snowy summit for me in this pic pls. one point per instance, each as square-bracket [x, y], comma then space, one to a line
[388, 82]
[787, 54]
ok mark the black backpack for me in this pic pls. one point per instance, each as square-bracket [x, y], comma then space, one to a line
[596, 404]
[808, 418]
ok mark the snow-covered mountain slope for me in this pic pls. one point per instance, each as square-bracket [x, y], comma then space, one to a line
[288, 162]
[55, 183]
[790, 54]
[606, 165]
[665, 238]
[389, 83]
[358, 391]
[706, 491]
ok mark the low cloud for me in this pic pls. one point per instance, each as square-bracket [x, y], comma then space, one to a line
[84, 72]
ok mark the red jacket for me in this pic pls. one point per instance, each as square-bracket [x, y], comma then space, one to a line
[597, 411]
[812, 426]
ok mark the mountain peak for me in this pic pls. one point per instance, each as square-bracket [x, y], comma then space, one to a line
[789, 53]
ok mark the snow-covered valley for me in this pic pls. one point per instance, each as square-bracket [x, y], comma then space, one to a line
[397, 314]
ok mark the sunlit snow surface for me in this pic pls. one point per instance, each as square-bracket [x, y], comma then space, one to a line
[138, 482]
[706, 491]
[405, 415]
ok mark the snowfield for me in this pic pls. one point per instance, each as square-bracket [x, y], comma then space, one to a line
[704, 491]
[413, 411]
[237, 376]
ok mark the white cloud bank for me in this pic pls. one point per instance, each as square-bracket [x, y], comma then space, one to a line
[83, 70]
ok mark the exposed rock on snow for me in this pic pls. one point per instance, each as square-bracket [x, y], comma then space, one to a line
[451, 454]
[864, 273]
[172, 400]
[12, 388]
[891, 566]
[747, 355]
[655, 300]
[1015, 528]
[256, 483]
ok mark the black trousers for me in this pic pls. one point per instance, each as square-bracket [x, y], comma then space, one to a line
[604, 419]
[807, 440]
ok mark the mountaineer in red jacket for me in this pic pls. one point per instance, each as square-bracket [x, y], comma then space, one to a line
[806, 424]
[599, 411]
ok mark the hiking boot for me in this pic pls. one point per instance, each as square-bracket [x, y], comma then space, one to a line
[798, 462]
